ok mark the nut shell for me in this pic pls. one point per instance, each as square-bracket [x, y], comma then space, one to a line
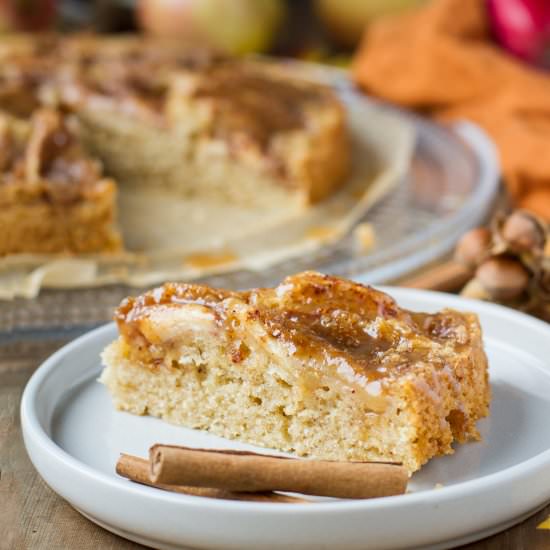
[503, 278]
[473, 247]
[524, 232]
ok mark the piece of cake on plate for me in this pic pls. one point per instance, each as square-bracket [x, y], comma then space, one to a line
[318, 366]
[53, 197]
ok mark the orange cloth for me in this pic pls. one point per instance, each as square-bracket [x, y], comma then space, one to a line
[441, 60]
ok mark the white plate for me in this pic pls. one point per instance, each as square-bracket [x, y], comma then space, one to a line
[74, 436]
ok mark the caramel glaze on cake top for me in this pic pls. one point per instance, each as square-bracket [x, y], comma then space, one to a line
[321, 320]
[43, 159]
[134, 75]
[68, 71]
[74, 69]
[242, 96]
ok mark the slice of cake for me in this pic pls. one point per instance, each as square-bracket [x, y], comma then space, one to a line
[53, 197]
[319, 366]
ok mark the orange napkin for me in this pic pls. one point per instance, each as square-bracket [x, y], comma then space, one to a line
[441, 60]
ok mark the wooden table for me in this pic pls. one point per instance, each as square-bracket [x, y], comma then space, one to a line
[33, 517]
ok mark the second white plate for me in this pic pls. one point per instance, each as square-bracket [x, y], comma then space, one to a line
[74, 437]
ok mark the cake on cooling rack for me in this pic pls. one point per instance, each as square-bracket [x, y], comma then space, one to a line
[53, 196]
[319, 366]
[160, 114]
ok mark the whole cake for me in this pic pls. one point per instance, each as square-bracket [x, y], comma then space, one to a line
[164, 115]
[318, 366]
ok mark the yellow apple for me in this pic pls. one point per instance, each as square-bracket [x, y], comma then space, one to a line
[346, 19]
[235, 26]
[240, 26]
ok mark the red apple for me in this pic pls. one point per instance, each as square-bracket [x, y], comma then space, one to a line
[27, 15]
[522, 27]
[166, 17]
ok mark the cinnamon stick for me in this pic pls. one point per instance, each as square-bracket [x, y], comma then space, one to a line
[449, 276]
[250, 472]
[137, 469]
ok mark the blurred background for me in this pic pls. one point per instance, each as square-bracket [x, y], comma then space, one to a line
[484, 61]
[447, 61]
[309, 29]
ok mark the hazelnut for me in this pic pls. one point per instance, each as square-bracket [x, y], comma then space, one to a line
[474, 290]
[503, 278]
[523, 231]
[473, 247]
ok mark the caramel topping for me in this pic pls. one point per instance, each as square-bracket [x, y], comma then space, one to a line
[201, 260]
[243, 102]
[325, 318]
[7, 146]
[24, 66]
[359, 332]
[18, 98]
[136, 74]
[170, 294]
[55, 70]
[44, 158]
[321, 233]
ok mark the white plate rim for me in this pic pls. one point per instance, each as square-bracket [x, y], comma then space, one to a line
[32, 428]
